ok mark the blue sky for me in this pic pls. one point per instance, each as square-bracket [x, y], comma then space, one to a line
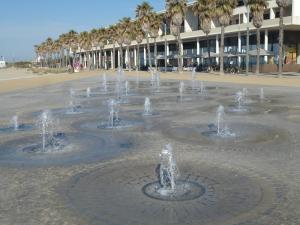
[24, 23]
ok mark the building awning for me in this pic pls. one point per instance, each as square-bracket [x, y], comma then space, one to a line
[263, 52]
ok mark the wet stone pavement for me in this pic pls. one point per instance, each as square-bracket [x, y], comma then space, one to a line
[251, 178]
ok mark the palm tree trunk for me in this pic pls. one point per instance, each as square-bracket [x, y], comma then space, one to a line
[97, 55]
[61, 58]
[138, 56]
[128, 58]
[155, 53]
[281, 38]
[180, 68]
[100, 59]
[257, 50]
[114, 57]
[68, 57]
[208, 51]
[87, 60]
[121, 57]
[149, 52]
[222, 51]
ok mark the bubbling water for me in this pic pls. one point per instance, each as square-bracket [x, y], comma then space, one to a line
[168, 171]
[147, 107]
[88, 92]
[46, 125]
[222, 128]
[113, 113]
[193, 78]
[169, 187]
[261, 94]
[202, 88]
[155, 80]
[104, 83]
[181, 90]
[239, 99]
[15, 122]
[127, 88]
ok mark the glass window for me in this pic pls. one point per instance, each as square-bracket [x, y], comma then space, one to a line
[291, 54]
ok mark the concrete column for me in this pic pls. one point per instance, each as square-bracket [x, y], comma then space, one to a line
[145, 56]
[99, 59]
[105, 60]
[80, 58]
[94, 58]
[126, 58]
[298, 54]
[84, 61]
[182, 53]
[112, 59]
[295, 11]
[135, 57]
[119, 58]
[266, 42]
[245, 18]
[168, 53]
[272, 14]
[239, 47]
[217, 47]
[198, 50]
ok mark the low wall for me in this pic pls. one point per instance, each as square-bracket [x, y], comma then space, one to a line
[272, 68]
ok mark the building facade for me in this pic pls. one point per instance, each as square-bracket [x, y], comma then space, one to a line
[194, 42]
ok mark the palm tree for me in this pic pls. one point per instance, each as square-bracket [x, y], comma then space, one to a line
[155, 25]
[205, 9]
[38, 50]
[112, 34]
[72, 44]
[102, 40]
[94, 41]
[282, 4]
[176, 10]
[44, 50]
[49, 43]
[121, 34]
[143, 12]
[56, 50]
[85, 43]
[62, 40]
[138, 36]
[224, 10]
[257, 8]
[128, 37]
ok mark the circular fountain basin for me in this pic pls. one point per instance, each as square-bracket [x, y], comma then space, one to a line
[69, 149]
[76, 110]
[120, 124]
[185, 191]
[148, 114]
[242, 109]
[239, 133]
[94, 126]
[125, 193]
[22, 127]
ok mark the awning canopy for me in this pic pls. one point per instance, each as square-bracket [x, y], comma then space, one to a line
[263, 52]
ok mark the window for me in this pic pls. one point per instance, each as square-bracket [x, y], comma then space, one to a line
[291, 54]
[266, 16]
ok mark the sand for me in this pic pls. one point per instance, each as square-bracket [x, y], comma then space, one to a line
[20, 79]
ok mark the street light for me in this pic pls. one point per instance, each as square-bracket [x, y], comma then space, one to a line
[247, 41]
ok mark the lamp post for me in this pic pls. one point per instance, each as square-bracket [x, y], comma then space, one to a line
[247, 41]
